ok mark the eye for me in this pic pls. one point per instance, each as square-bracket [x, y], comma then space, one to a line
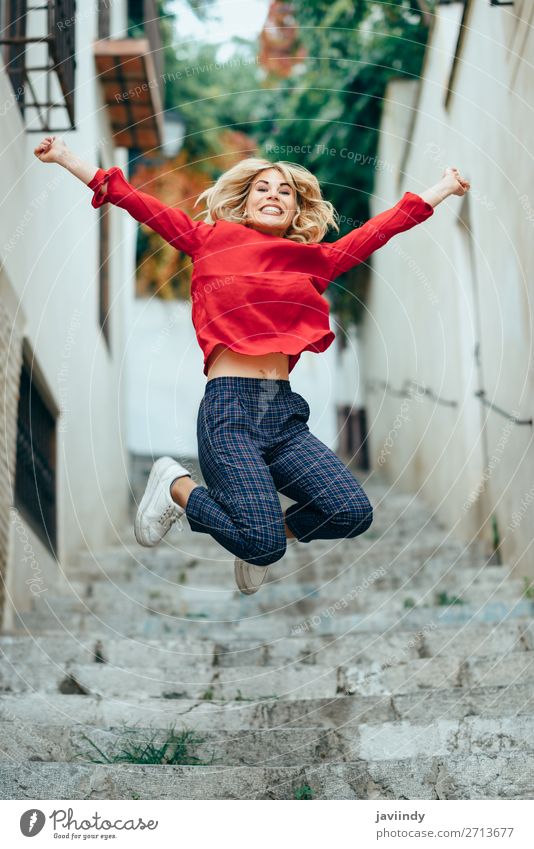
[263, 189]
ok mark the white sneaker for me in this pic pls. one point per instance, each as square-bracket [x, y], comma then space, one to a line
[157, 510]
[248, 576]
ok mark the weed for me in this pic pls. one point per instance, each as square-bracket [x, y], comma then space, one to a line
[444, 599]
[409, 602]
[208, 695]
[528, 588]
[496, 537]
[173, 749]
[303, 792]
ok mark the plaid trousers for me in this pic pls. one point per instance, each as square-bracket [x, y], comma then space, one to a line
[254, 441]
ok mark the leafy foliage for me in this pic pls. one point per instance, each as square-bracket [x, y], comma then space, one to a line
[327, 111]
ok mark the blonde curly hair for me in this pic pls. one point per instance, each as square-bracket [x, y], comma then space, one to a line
[227, 198]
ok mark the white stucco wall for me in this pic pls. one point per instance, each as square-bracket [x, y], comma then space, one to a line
[431, 300]
[49, 249]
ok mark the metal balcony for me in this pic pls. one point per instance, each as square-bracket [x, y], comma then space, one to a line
[130, 73]
[38, 51]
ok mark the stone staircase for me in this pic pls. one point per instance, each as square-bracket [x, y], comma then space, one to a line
[394, 666]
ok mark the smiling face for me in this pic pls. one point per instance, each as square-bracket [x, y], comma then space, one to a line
[271, 203]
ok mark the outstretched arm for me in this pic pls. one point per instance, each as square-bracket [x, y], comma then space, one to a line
[450, 184]
[54, 149]
[412, 209]
[174, 225]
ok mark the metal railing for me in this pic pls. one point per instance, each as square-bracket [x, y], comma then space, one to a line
[512, 417]
[57, 26]
[410, 387]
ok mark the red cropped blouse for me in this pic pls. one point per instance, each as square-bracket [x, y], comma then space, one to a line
[254, 292]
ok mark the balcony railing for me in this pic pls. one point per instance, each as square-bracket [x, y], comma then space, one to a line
[130, 73]
[39, 44]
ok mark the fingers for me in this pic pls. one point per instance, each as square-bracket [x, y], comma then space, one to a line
[463, 183]
[44, 145]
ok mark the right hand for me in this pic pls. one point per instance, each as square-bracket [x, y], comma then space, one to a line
[458, 185]
[50, 149]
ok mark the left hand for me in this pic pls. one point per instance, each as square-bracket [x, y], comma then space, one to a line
[458, 185]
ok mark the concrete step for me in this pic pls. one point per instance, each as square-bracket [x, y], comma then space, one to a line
[351, 672]
[197, 682]
[422, 706]
[391, 647]
[285, 602]
[291, 681]
[300, 560]
[283, 605]
[152, 589]
[268, 627]
[269, 747]
[507, 775]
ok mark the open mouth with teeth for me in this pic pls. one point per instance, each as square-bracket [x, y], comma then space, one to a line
[271, 210]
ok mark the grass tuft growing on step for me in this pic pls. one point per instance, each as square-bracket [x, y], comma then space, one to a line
[528, 588]
[444, 599]
[303, 792]
[174, 749]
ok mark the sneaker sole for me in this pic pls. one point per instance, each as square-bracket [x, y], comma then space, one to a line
[153, 482]
[239, 579]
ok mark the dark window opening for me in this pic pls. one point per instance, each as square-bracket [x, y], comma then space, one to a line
[13, 20]
[104, 26]
[103, 270]
[35, 475]
[352, 439]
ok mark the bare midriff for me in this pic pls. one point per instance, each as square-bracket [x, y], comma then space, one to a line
[223, 362]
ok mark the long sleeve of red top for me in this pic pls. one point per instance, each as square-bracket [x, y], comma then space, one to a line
[357, 245]
[174, 225]
[252, 291]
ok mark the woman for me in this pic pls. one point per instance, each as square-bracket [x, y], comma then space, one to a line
[260, 271]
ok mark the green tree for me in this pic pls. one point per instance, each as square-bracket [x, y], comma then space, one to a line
[331, 101]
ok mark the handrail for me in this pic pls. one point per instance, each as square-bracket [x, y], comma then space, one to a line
[481, 394]
[410, 387]
[407, 391]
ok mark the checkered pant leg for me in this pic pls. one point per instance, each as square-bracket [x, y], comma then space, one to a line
[253, 440]
[331, 504]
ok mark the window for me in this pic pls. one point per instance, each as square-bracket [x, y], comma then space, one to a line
[35, 475]
[352, 435]
[103, 269]
[104, 27]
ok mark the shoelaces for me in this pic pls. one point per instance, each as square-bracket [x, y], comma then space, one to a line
[171, 515]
